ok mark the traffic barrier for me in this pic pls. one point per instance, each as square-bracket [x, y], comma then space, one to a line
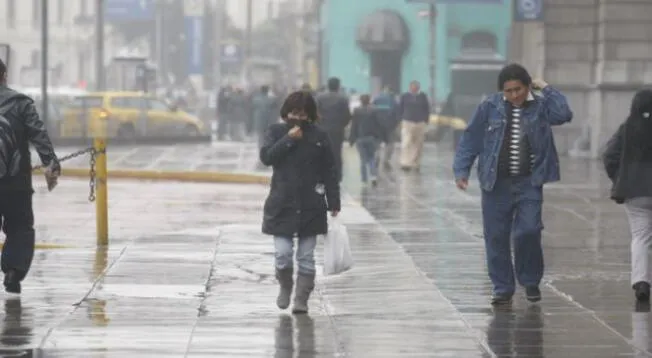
[178, 176]
[99, 174]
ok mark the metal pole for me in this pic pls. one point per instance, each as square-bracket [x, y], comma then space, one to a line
[320, 49]
[248, 40]
[101, 192]
[433, 51]
[44, 63]
[159, 36]
[99, 42]
[219, 19]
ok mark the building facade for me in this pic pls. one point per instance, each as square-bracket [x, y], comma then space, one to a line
[71, 41]
[599, 53]
[371, 44]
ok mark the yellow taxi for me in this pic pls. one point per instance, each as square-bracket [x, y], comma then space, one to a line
[126, 115]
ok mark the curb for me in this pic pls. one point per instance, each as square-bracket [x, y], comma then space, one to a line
[46, 246]
[180, 176]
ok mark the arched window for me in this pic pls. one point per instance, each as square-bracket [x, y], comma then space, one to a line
[479, 40]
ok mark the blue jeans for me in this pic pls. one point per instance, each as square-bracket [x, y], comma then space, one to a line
[367, 147]
[511, 212]
[284, 255]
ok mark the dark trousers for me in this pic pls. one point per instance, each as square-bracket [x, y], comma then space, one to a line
[337, 139]
[367, 148]
[511, 212]
[18, 225]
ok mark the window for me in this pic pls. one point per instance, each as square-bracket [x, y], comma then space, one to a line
[36, 13]
[87, 102]
[479, 40]
[11, 14]
[127, 102]
[156, 105]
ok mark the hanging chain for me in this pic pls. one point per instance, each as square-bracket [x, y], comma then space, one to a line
[91, 183]
[92, 172]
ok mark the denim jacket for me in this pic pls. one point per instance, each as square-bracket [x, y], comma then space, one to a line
[484, 135]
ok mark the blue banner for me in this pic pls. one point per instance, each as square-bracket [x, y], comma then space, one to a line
[528, 10]
[194, 41]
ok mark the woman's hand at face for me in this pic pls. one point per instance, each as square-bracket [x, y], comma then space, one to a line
[295, 132]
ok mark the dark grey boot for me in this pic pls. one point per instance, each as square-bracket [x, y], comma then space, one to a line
[305, 285]
[285, 281]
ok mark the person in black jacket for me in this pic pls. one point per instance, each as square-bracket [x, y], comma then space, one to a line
[367, 132]
[304, 188]
[334, 117]
[16, 191]
[628, 163]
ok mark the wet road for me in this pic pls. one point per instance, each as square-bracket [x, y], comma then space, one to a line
[188, 274]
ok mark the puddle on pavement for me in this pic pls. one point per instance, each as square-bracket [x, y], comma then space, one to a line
[150, 291]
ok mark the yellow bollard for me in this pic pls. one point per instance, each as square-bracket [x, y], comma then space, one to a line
[101, 196]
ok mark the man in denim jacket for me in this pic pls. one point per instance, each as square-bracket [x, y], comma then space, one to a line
[511, 134]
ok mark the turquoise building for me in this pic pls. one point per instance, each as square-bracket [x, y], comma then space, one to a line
[375, 43]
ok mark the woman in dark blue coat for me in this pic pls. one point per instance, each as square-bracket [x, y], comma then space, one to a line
[304, 188]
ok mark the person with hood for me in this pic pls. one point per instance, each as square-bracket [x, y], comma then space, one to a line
[511, 134]
[265, 113]
[334, 117]
[304, 188]
[20, 125]
[628, 163]
[367, 132]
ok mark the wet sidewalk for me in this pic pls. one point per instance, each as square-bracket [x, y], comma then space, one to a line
[189, 274]
[588, 308]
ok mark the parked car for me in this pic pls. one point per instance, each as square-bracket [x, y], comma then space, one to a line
[126, 115]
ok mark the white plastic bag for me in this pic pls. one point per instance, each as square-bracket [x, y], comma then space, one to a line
[337, 251]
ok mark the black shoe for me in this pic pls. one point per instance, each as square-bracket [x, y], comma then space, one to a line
[500, 300]
[642, 291]
[11, 282]
[533, 293]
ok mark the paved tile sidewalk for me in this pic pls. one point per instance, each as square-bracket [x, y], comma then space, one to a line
[189, 274]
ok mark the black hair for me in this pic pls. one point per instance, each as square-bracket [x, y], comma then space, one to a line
[638, 126]
[334, 84]
[302, 101]
[365, 99]
[513, 72]
[3, 70]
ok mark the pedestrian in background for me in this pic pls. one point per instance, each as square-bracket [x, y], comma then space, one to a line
[367, 133]
[334, 117]
[511, 134]
[265, 113]
[628, 162]
[304, 188]
[414, 109]
[386, 104]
